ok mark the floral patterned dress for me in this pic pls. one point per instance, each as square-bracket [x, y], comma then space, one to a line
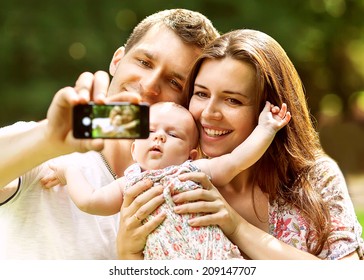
[175, 238]
[288, 225]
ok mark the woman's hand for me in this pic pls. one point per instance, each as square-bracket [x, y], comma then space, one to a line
[140, 200]
[207, 201]
[252, 241]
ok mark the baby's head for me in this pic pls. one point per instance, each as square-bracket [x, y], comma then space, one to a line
[177, 117]
[173, 137]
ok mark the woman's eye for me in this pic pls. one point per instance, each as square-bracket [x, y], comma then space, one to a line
[200, 94]
[234, 101]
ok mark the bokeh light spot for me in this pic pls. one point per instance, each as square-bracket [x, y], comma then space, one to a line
[77, 50]
[331, 105]
[125, 19]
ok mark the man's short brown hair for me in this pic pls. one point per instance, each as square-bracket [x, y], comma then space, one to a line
[192, 27]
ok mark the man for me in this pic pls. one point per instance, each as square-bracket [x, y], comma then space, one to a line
[39, 223]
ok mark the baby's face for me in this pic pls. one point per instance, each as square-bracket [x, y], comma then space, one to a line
[117, 120]
[173, 134]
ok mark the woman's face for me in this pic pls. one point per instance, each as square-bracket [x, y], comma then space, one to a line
[222, 104]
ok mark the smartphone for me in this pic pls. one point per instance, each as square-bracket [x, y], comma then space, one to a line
[122, 120]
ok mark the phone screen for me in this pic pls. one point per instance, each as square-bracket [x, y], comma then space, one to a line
[116, 120]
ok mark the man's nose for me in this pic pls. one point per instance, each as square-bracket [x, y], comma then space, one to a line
[150, 84]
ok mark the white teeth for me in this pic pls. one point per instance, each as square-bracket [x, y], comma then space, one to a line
[213, 132]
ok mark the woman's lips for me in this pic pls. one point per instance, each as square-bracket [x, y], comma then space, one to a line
[215, 132]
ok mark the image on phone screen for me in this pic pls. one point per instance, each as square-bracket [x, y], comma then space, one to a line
[129, 121]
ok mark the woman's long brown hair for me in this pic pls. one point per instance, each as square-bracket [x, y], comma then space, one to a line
[282, 171]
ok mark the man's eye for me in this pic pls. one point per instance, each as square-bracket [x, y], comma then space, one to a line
[144, 63]
[176, 84]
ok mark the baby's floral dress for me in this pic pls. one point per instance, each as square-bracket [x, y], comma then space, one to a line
[288, 224]
[175, 238]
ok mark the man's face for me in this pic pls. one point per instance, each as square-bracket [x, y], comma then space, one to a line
[156, 67]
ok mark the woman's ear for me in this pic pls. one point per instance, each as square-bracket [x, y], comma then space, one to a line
[193, 154]
[118, 55]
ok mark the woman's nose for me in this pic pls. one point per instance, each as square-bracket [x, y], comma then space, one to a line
[211, 111]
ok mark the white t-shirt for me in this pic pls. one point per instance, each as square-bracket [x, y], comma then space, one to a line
[40, 223]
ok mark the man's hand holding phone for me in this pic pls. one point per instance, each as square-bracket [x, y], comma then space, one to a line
[59, 124]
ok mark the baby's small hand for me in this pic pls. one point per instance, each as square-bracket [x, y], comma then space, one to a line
[274, 117]
[281, 115]
[54, 178]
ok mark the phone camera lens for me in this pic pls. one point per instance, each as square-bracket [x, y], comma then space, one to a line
[86, 121]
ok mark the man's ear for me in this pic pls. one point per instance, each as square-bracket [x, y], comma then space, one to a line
[118, 55]
[193, 154]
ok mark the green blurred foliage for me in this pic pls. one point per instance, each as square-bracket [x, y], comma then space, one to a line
[45, 45]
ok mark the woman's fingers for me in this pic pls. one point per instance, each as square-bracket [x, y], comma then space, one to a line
[198, 207]
[137, 193]
[193, 195]
[206, 220]
[153, 223]
[203, 194]
[140, 201]
[143, 210]
[198, 177]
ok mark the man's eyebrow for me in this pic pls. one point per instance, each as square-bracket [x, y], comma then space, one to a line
[145, 52]
[178, 76]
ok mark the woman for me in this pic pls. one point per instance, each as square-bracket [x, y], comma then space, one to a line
[293, 203]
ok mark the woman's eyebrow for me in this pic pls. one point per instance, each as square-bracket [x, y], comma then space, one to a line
[201, 86]
[235, 92]
[225, 91]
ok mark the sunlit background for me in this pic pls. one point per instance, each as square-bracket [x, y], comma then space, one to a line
[45, 45]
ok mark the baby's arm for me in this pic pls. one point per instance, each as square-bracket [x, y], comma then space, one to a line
[104, 201]
[224, 168]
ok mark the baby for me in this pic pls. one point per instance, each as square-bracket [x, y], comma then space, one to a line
[170, 150]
